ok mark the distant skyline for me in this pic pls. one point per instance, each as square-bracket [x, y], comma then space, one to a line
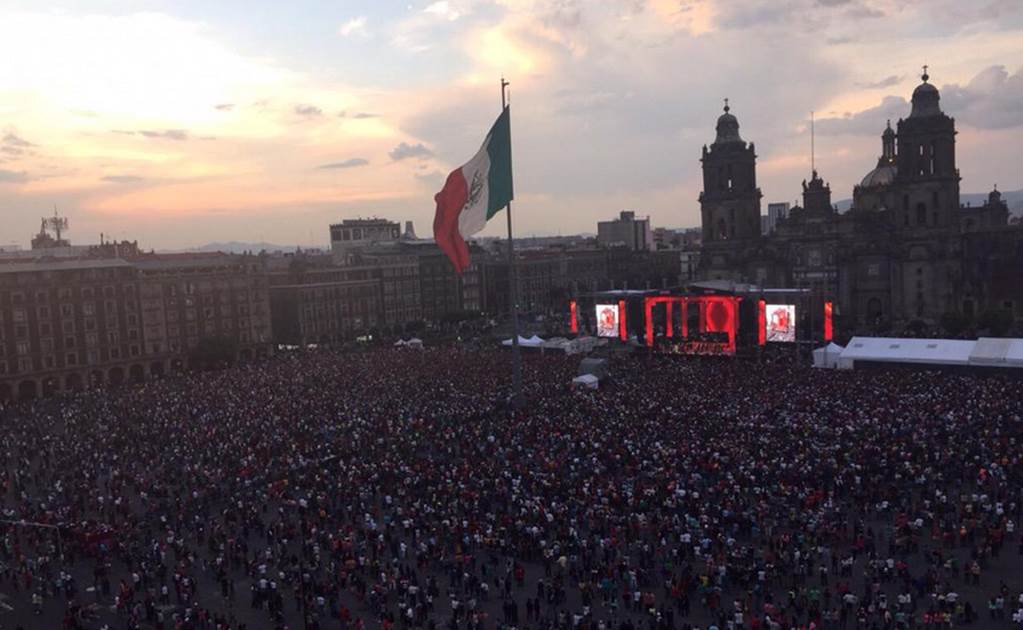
[181, 123]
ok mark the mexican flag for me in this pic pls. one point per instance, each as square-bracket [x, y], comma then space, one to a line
[474, 193]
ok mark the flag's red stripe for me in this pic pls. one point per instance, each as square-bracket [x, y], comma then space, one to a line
[450, 201]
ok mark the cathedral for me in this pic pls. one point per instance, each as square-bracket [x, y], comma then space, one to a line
[906, 250]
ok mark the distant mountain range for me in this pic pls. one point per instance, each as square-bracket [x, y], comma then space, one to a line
[1012, 197]
[237, 247]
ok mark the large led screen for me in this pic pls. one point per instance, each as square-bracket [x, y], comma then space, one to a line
[607, 320]
[781, 322]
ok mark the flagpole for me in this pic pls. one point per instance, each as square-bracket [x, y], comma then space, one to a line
[513, 288]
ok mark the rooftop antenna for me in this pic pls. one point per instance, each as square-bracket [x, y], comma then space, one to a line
[56, 223]
[813, 157]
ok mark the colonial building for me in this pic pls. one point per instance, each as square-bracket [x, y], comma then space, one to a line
[70, 323]
[906, 250]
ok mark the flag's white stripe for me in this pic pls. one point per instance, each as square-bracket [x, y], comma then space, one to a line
[473, 217]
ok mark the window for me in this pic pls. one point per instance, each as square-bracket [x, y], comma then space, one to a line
[46, 345]
[91, 339]
[20, 315]
[921, 214]
[67, 310]
[89, 308]
[115, 353]
[69, 342]
[71, 359]
[23, 348]
[25, 364]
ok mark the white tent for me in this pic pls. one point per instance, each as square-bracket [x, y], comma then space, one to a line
[415, 342]
[827, 356]
[993, 352]
[533, 342]
[586, 380]
[400, 342]
[908, 351]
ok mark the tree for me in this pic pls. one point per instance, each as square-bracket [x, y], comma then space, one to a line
[954, 323]
[213, 352]
[996, 322]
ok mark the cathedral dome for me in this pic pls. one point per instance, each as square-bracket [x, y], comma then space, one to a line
[925, 99]
[881, 176]
[727, 127]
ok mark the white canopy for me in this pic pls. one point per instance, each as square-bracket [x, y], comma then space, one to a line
[902, 350]
[586, 380]
[532, 342]
[827, 356]
[997, 352]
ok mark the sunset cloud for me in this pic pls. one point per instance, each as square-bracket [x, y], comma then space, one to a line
[611, 103]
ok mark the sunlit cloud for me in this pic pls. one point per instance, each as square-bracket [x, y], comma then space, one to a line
[355, 27]
[611, 104]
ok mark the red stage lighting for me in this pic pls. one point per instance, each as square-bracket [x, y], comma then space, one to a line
[828, 330]
[762, 322]
[622, 333]
[574, 321]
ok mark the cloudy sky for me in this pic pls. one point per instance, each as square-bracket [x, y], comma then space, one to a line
[179, 123]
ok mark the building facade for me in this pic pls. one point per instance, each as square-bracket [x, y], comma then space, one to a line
[906, 250]
[354, 235]
[626, 231]
[67, 324]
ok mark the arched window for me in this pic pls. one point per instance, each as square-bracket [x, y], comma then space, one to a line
[921, 214]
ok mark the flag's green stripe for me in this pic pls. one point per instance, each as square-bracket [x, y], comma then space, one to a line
[500, 176]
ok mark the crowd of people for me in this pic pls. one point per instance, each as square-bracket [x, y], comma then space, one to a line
[398, 489]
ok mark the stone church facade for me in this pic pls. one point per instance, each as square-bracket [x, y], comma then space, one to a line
[906, 250]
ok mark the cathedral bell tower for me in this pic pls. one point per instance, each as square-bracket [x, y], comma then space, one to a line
[927, 179]
[730, 201]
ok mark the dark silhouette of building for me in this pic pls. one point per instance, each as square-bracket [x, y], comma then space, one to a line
[906, 250]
